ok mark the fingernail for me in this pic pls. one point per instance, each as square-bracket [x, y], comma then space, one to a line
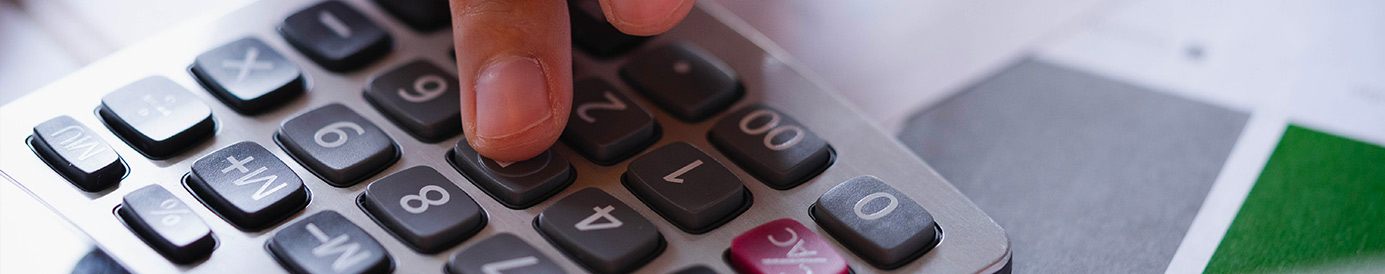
[511, 97]
[643, 12]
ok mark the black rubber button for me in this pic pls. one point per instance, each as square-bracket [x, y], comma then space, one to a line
[75, 152]
[600, 232]
[157, 117]
[514, 184]
[423, 208]
[419, 97]
[326, 242]
[248, 75]
[606, 126]
[689, 188]
[771, 145]
[502, 253]
[337, 144]
[167, 224]
[248, 185]
[876, 221]
[684, 80]
[336, 36]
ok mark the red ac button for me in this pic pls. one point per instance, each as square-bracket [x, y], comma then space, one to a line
[784, 246]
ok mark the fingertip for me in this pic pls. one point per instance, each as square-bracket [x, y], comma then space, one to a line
[645, 17]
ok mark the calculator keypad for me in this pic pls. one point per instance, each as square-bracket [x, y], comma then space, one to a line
[248, 75]
[423, 208]
[771, 145]
[419, 97]
[601, 232]
[336, 36]
[684, 80]
[686, 186]
[337, 144]
[326, 242]
[605, 125]
[78, 154]
[167, 224]
[157, 116]
[248, 185]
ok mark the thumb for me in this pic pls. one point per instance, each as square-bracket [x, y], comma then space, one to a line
[514, 62]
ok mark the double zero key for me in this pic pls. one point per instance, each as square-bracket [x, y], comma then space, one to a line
[247, 185]
[876, 221]
[771, 145]
[687, 187]
[167, 224]
[337, 145]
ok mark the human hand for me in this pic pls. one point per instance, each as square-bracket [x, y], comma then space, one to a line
[514, 60]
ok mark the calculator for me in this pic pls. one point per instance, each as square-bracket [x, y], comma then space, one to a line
[312, 136]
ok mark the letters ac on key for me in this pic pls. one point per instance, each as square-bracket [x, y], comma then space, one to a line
[784, 246]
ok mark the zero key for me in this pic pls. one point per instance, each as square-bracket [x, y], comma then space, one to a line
[79, 155]
[771, 145]
[784, 246]
[878, 222]
[684, 80]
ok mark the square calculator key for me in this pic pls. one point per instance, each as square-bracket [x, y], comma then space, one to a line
[422, 15]
[419, 97]
[423, 208]
[514, 184]
[326, 242]
[77, 153]
[605, 125]
[689, 188]
[166, 224]
[247, 185]
[784, 246]
[600, 232]
[878, 222]
[593, 34]
[337, 145]
[771, 145]
[248, 75]
[336, 36]
[157, 117]
[502, 253]
[684, 80]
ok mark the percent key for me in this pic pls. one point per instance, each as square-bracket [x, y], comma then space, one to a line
[167, 224]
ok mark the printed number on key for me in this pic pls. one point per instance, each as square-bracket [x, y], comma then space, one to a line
[425, 88]
[423, 201]
[771, 129]
[613, 103]
[335, 129]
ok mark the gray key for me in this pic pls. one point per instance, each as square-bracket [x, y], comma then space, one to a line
[336, 36]
[605, 125]
[602, 233]
[696, 269]
[326, 242]
[771, 145]
[157, 117]
[419, 97]
[167, 224]
[516, 185]
[686, 186]
[75, 152]
[337, 145]
[423, 208]
[685, 80]
[248, 75]
[247, 185]
[502, 253]
[879, 223]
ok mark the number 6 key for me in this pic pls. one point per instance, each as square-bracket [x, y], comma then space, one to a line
[337, 145]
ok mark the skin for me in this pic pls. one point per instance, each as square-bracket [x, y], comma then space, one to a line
[514, 60]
